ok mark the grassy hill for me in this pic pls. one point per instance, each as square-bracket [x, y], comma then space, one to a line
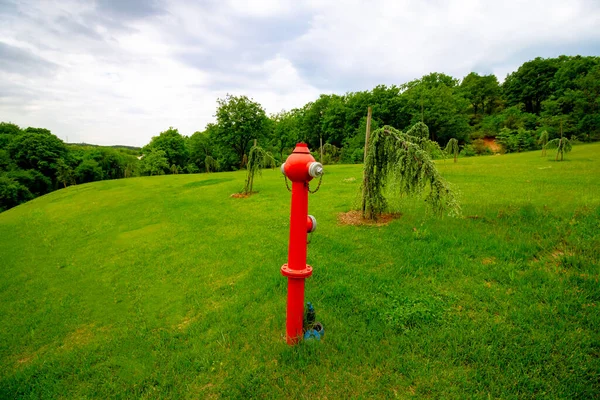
[166, 287]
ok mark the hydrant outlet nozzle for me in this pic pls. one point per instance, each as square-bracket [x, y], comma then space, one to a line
[315, 169]
[282, 168]
[311, 224]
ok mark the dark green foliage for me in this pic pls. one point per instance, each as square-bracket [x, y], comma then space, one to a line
[403, 158]
[64, 173]
[434, 100]
[8, 132]
[12, 193]
[200, 146]
[210, 164]
[239, 121]
[516, 140]
[88, 171]
[172, 144]
[531, 84]
[483, 92]
[155, 163]
[37, 149]
[33, 180]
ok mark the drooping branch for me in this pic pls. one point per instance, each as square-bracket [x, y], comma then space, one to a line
[562, 146]
[210, 164]
[543, 140]
[404, 158]
[452, 148]
[258, 158]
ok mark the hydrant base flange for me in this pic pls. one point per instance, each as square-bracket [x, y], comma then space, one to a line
[293, 273]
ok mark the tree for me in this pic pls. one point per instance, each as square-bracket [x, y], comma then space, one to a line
[482, 92]
[210, 164]
[405, 159]
[155, 163]
[200, 147]
[12, 193]
[89, 171]
[64, 173]
[239, 121]
[287, 130]
[8, 132]
[434, 100]
[172, 144]
[562, 146]
[531, 84]
[33, 180]
[543, 141]
[38, 149]
[452, 148]
[258, 158]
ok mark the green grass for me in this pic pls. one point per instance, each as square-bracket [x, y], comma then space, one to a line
[165, 287]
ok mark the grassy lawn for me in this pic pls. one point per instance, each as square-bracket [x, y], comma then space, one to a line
[166, 287]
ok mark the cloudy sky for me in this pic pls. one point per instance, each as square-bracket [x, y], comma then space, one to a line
[122, 71]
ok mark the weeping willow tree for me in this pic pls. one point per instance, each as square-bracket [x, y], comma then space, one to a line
[404, 158]
[543, 140]
[210, 164]
[258, 158]
[452, 148]
[562, 146]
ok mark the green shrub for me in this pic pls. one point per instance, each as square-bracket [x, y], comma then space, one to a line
[12, 193]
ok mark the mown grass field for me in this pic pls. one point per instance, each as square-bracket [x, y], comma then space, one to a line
[166, 287]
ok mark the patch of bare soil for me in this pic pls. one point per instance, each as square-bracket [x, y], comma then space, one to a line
[242, 195]
[491, 143]
[355, 218]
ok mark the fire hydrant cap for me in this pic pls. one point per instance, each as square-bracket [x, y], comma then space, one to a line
[296, 167]
[301, 148]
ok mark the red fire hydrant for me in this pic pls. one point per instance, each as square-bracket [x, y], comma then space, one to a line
[300, 167]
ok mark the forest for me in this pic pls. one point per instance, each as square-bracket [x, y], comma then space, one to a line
[544, 97]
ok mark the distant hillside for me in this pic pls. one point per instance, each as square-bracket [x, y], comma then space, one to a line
[114, 146]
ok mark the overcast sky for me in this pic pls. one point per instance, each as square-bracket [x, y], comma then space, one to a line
[122, 71]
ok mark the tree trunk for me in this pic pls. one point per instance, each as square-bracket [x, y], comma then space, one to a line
[364, 184]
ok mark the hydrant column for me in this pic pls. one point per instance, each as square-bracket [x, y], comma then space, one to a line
[300, 167]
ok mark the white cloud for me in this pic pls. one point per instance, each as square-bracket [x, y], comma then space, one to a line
[122, 75]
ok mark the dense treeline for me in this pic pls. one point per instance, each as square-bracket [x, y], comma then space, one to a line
[34, 162]
[543, 95]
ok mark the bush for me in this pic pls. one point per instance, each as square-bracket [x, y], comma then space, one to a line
[12, 193]
[516, 140]
[34, 181]
[480, 148]
[88, 171]
[192, 168]
[468, 151]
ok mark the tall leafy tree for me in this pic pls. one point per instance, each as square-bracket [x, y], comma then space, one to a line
[172, 143]
[155, 163]
[434, 100]
[37, 149]
[201, 148]
[531, 84]
[8, 131]
[239, 121]
[482, 92]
